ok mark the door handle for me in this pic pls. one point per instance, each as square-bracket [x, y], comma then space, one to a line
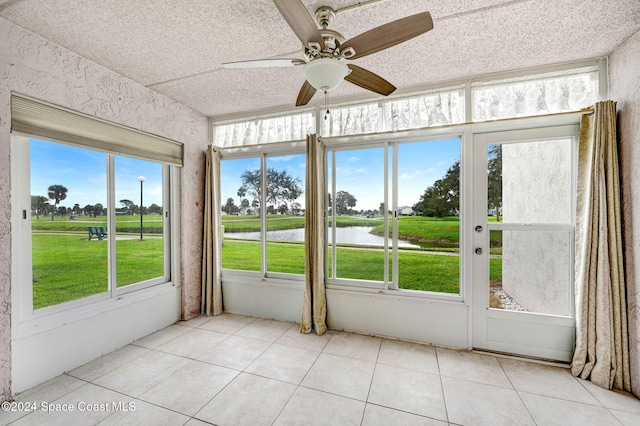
[478, 250]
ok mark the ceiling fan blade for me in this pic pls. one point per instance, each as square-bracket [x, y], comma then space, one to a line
[388, 35]
[306, 93]
[368, 80]
[264, 63]
[300, 21]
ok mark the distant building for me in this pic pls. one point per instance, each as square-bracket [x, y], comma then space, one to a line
[405, 211]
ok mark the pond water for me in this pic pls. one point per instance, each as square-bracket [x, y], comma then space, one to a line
[346, 235]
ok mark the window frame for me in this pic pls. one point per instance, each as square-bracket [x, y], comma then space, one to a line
[51, 316]
[390, 145]
[263, 152]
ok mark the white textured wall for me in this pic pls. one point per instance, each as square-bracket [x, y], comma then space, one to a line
[38, 68]
[535, 266]
[624, 87]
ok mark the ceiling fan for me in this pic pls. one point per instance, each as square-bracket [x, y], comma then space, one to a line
[325, 50]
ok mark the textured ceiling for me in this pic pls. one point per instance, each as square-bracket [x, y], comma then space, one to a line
[175, 47]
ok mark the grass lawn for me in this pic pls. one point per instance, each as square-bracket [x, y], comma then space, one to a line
[151, 224]
[418, 270]
[69, 267]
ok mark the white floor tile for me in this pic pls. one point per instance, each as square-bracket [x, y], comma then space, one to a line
[472, 403]
[235, 370]
[263, 329]
[310, 341]
[552, 411]
[408, 390]
[161, 337]
[88, 405]
[190, 388]
[545, 380]
[375, 415]
[248, 400]
[340, 375]
[413, 356]
[237, 352]
[194, 344]
[472, 366]
[45, 392]
[145, 414]
[354, 346]
[314, 408]
[142, 373]
[107, 363]
[614, 399]
[627, 419]
[196, 321]
[227, 323]
[284, 363]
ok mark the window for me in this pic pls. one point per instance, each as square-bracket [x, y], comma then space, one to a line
[394, 216]
[241, 186]
[262, 202]
[539, 94]
[97, 229]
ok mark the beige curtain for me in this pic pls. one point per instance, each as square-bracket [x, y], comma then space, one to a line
[211, 243]
[601, 354]
[314, 309]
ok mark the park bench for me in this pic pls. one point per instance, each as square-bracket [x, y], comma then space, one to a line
[98, 231]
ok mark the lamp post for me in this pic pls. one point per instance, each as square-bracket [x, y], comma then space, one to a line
[141, 179]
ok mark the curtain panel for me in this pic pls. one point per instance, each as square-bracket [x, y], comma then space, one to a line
[314, 309]
[601, 353]
[211, 302]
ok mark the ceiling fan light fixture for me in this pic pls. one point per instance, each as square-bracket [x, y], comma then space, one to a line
[325, 74]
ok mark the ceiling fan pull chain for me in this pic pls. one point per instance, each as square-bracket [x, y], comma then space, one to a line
[326, 104]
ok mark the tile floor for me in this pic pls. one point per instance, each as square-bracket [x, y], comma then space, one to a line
[237, 370]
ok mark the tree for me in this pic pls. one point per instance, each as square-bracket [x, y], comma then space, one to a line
[230, 207]
[494, 180]
[129, 206]
[244, 205]
[443, 197]
[98, 209]
[282, 188]
[39, 204]
[76, 208]
[283, 208]
[344, 202]
[154, 209]
[87, 210]
[57, 193]
[296, 208]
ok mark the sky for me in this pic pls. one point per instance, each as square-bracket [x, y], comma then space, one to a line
[361, 172]
[84, 173]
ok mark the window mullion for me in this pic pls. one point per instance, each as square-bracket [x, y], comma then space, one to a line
[111, 225]
[394, 218]
[386, 224]
[263, 216]
[333, 217]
